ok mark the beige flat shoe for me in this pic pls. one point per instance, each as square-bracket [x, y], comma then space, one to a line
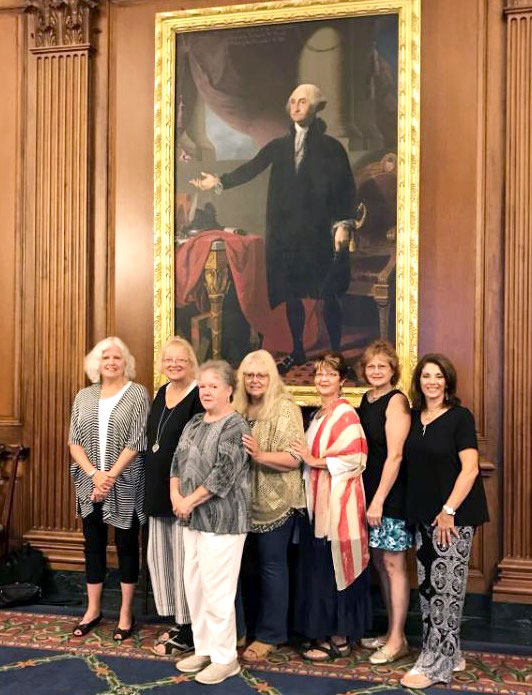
[373, 642]
[415, 679]
[385, 656]
[257, 651]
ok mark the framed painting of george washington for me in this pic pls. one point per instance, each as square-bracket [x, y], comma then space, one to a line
[286, 181]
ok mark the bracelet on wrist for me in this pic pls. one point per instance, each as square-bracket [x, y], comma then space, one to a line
[92, 473]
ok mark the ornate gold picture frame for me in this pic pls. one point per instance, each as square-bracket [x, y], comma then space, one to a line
[220, 101]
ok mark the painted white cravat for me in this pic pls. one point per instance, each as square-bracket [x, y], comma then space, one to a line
[299, 145]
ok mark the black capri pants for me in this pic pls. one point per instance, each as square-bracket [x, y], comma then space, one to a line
[127, 547]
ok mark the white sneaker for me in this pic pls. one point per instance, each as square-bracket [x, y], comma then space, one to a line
[192, 663]
[216, 673]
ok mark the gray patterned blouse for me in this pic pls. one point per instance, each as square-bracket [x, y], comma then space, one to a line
[212, 454]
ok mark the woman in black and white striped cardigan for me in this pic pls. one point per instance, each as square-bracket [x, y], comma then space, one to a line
[107, 441]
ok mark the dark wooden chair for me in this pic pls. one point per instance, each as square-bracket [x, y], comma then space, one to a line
[372, 275]
[374, 260]
[10, 457]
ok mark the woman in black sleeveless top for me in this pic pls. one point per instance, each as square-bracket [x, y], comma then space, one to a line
[385, 416]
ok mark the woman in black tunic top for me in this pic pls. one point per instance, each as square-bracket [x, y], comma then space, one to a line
[175, 403]
[446, 501]
[385, 416]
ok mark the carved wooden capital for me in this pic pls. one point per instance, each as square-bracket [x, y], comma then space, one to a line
[59, 23]
[521, 6]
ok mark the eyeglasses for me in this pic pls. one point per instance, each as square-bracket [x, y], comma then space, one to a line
[259, 376]
[179, 361]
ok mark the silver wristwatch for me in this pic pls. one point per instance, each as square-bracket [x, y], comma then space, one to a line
[449, 510]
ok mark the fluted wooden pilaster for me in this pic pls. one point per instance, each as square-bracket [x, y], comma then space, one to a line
[60, 259]
[515, 569]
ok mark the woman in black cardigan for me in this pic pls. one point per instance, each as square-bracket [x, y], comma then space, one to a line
[175, 403]
[446, 502]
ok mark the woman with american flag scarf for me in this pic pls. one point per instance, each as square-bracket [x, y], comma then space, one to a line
[331, 603]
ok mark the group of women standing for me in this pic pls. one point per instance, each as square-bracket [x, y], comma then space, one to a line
[229, 471]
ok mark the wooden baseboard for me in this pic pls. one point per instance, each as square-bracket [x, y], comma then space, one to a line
[64, 549]
[515, 581]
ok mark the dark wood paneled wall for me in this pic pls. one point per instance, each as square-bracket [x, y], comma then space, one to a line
[93, 275]
[12, 67]
[13, 52]
[462, 164]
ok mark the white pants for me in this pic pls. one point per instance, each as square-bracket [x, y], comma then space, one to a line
[212, 565]
[166, 556]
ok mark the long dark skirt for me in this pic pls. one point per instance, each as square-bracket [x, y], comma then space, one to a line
[320, 610]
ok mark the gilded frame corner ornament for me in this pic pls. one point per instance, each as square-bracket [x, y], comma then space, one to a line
[167, 25]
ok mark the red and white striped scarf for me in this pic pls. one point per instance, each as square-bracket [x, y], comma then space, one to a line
[339, 507]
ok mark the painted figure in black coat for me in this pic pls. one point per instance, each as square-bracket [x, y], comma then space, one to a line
[311, 190]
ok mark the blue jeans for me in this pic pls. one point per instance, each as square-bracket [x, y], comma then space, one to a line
[272, 549]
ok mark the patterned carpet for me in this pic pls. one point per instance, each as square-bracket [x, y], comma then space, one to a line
[39, 655]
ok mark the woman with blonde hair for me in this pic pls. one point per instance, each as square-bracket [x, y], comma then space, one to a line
[107, 440]
[277, 490]
[175, 403]
[385, 416]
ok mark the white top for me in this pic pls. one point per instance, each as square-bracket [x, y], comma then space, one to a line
[105, 408]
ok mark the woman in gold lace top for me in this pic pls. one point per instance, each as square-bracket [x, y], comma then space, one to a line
[277, 490]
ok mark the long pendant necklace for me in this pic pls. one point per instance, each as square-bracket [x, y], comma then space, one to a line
[160, 428]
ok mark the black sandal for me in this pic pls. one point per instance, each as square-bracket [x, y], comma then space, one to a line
[304, 645]
[119, 634]
[175, 645]
[83, 629]
[330, 649]
[172, 633]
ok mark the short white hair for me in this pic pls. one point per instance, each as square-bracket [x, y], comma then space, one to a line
[94, 358]
[314, 94]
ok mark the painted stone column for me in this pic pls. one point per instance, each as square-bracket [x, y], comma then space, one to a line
[515, 570]
[322, 63]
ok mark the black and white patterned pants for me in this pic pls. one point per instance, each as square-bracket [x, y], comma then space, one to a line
[166, 559]
[442, 577]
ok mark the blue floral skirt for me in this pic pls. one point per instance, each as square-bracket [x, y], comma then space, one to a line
[392, 534]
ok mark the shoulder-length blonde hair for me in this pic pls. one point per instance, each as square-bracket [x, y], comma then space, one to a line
[93, 359]
[178, 341]
[260, 359]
